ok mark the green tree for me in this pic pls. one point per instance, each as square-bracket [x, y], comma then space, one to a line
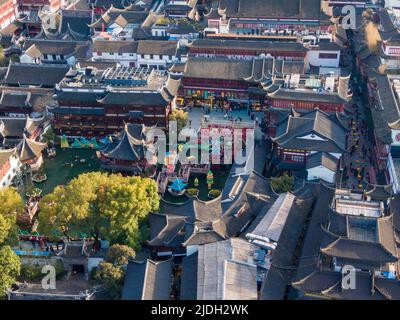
[10, 206]
[119, 254]
[108, 206]
[10, 266]
[31, 272]
[181, 117]
[283, 183]
[110, 277]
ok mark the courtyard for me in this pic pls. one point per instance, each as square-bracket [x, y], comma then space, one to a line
[66, 165]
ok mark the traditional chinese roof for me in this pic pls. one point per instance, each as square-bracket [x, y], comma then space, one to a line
[225, 271]
[301, 9]
[387, 110]
[115, 46]
[322, 159]
[218, 68]
[379, 192]
[166, 230]
[257, 46]
[47, 75]
[328, 285]
[331, 137]
[29, 149]
[159, 47]
[367, 243]
[17, 127]
[129, 148]
[120, 17]
[376, 248]
[76, 21]
[134, 98]
[16, 99]
[49, 47]
[189, 278]
[306, 95]
[215, 220]
[148, 280]
[388, 31]
[283, 265]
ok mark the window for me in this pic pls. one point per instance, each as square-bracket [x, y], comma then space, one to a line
[111, 53]
[99, 53]
[120, 54]
[151, 56]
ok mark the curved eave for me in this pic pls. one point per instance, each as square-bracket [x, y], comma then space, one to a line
[394, 125]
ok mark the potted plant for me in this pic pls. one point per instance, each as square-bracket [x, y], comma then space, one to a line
[214, 193]
[192, 192]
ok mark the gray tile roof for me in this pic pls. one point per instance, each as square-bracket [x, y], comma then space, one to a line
[148, 280]
[298, 95]
[271, 9]
[41, 47]
[29, 149]
[35, 74]
[189, 277]
[115, 46]
[77, 21]
[218, 68]
[283, 268]
[166, 230]
[134, 98]
[315, 122]
[322, 159]
[386, 110]
[159, 47]
[128, 149]
[327, 285]
[257, 46]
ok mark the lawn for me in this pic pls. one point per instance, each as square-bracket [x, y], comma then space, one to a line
[66, 165]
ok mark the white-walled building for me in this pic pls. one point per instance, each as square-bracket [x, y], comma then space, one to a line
[159, 54]
[9, 167]
[123, 52]
[321, 165]
[324, 54]
[46, 51]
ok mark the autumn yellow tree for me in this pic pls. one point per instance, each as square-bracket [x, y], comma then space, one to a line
[181, 117]
[10, 206]
[372, 37]
[110, 207]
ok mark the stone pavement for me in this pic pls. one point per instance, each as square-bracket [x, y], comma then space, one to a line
[357, 161]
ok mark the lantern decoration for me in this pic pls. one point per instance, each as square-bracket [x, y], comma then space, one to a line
[196, 182]
[210, 179]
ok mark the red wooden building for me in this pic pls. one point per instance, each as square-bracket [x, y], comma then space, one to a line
[104, 101]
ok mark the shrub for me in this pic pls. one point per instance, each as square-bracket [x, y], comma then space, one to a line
[192, 192]
[283, 183]
[31, 272]
[214, 193]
